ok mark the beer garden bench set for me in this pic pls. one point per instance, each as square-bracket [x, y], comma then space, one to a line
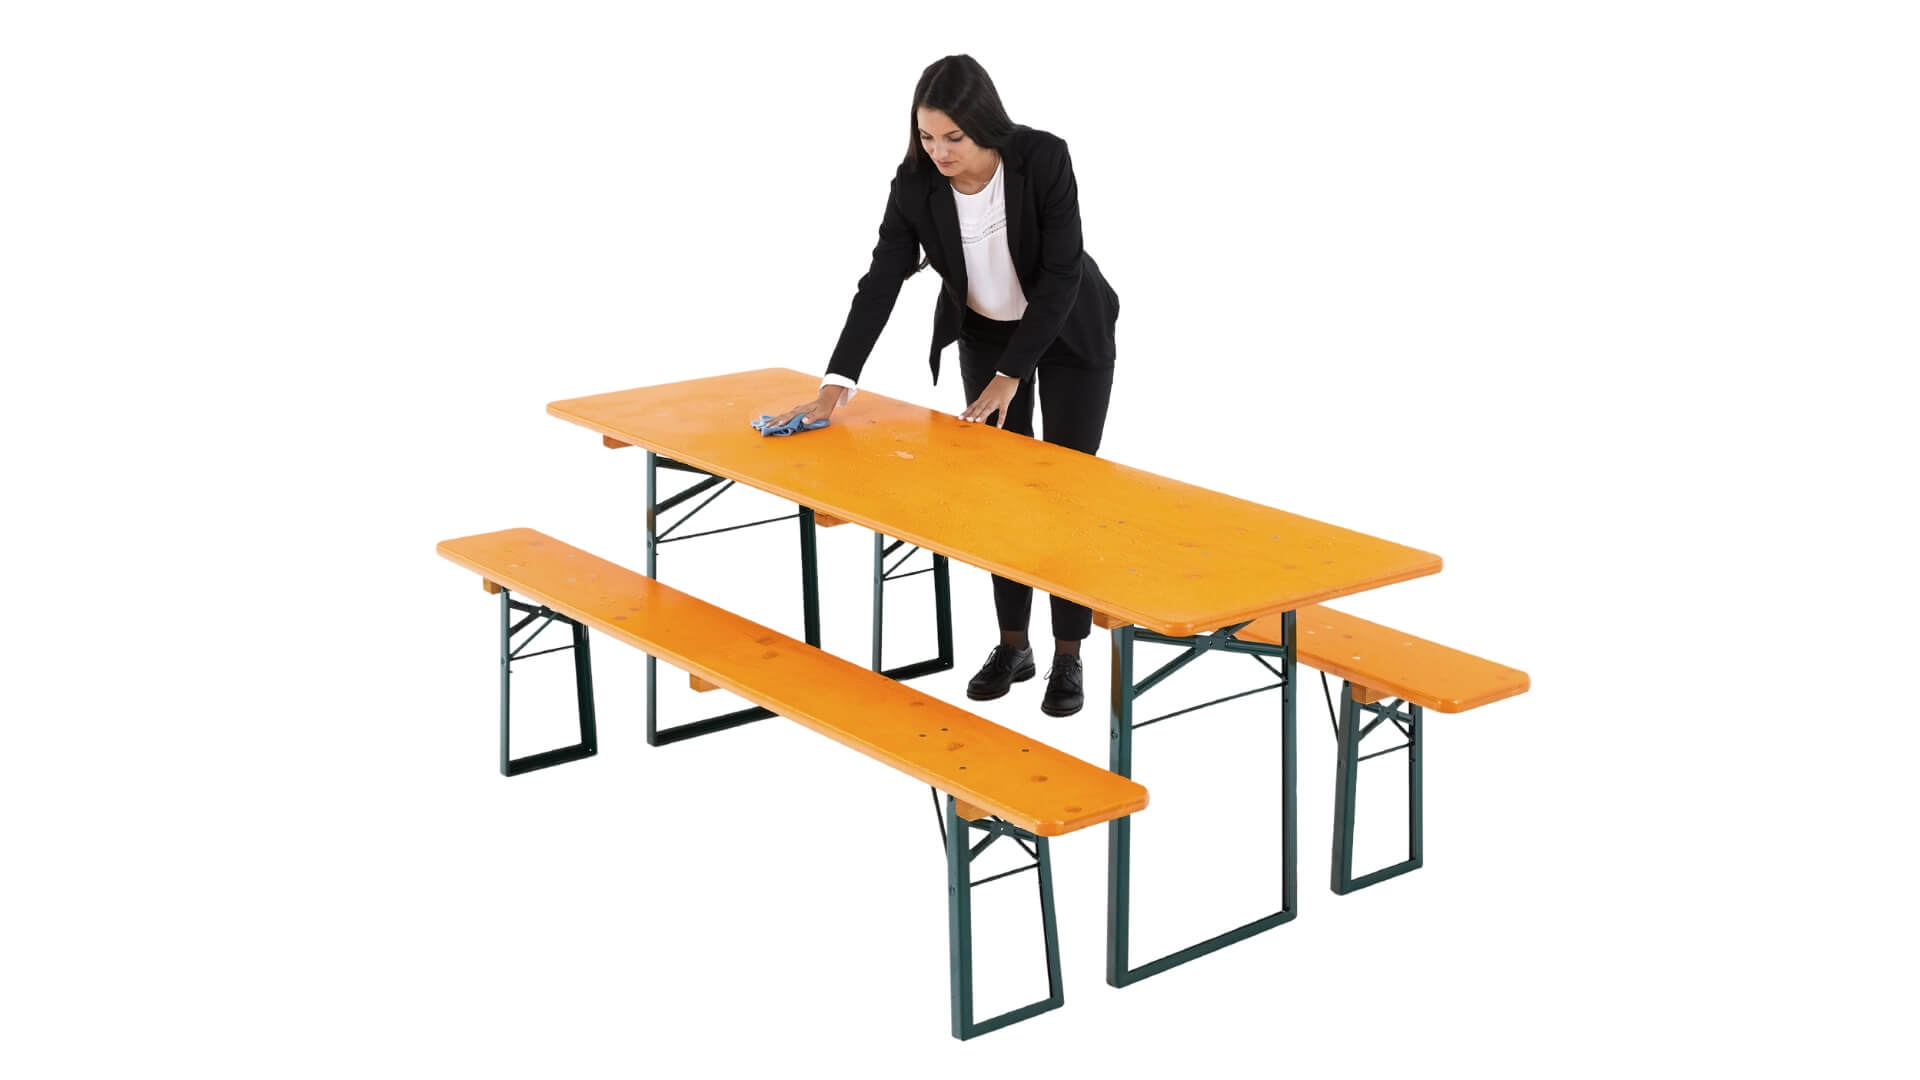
[1159, 562]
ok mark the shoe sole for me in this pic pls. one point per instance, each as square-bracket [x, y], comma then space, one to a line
[1017, 677]
[1062, 712]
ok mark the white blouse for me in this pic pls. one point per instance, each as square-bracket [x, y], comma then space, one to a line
[993, 289]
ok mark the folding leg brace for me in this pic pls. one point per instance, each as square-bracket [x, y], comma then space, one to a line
[957, 832]
[582, 679]
[1405, 718]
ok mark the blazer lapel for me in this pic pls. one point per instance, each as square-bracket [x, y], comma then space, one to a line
[1014, 183]
[946, 225]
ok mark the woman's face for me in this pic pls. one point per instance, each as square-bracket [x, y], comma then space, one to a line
[950, 148]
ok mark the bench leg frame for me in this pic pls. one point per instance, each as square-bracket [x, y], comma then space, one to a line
[960, 886]
[1120, 831]
[809, 588]
[942, 603]
[1405, 718]
[582, 678]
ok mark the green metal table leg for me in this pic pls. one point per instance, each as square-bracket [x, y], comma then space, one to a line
[809, 577]
[943, 612]
[809, 596]
[942, 604]
[1120, 831]
[879, 598]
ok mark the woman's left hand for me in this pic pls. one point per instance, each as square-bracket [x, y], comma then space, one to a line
[994, 399]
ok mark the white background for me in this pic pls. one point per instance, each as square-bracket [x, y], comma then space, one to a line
[1604, 303]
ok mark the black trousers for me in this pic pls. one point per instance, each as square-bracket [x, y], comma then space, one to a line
[1073, 408]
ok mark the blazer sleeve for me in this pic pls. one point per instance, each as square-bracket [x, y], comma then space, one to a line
[895, 258]
[1052, 295]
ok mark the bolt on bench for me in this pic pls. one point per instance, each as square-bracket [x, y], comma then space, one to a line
[1394, 677]
[995, 780]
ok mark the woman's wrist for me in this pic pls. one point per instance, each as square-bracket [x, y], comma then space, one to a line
[830, 382]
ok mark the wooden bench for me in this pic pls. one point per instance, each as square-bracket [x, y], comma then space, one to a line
[995, 780]
[1394, 677]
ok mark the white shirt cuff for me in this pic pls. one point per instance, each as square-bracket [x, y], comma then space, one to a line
[831, 379]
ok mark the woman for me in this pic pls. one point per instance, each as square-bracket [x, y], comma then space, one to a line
[995, 206]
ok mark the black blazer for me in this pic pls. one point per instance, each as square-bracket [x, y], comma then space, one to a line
[1071, 309]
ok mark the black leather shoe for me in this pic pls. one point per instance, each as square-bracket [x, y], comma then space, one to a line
[1005, 666]
[1064, 695]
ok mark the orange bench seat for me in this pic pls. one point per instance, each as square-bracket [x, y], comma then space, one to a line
[987, 768]
[1384, 660]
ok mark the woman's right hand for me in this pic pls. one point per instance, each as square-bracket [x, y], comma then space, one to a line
[820, 408]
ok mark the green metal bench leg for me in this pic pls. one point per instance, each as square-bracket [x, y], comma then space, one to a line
[809, 591]
[942, 603]
[1120, 831]
[582, 683]
[1405, 717]
[960, 886]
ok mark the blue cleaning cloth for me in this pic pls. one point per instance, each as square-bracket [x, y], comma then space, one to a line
[765, 425]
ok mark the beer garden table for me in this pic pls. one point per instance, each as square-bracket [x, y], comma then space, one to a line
[1158, 560]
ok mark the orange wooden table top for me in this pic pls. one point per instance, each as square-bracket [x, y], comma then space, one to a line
[1165, 555]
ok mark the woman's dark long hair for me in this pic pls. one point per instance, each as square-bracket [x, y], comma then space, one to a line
[958, 86]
